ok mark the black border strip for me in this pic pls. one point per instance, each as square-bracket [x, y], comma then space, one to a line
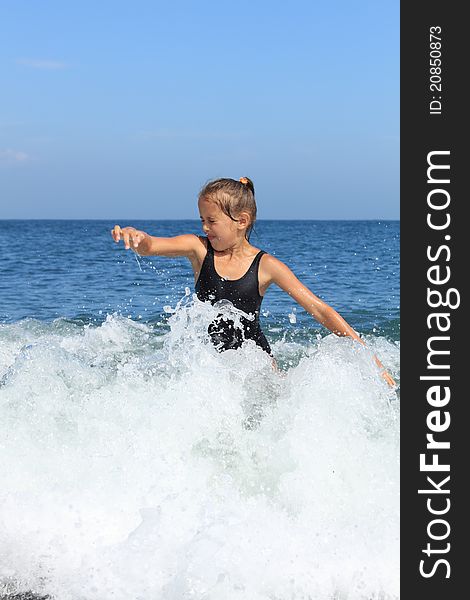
[422, 132]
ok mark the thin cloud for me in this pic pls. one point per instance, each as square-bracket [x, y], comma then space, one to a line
[13, 157]
[47, 65]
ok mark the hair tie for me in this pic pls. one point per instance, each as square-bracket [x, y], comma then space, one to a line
[243, 180]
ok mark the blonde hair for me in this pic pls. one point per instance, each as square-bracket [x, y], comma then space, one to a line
[232, 197]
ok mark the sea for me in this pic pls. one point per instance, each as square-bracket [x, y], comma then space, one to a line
[138, 463]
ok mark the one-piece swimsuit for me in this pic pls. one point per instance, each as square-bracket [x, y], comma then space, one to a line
[243, 293]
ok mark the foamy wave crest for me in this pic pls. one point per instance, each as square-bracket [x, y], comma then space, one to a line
[137, 462]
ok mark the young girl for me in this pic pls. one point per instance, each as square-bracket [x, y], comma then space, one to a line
[227, 267]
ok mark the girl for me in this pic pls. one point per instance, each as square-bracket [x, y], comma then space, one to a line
[227, 267]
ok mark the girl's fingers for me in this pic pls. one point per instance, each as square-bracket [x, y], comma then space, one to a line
[129, 236]
[389, 379]
[116, 233]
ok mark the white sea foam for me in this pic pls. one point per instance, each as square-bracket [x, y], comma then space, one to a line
[137, 464]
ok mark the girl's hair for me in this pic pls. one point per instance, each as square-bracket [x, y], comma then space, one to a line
[232, 197]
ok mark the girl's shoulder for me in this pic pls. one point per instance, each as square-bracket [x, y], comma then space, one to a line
[272, 270]
[272, 267]
[270, 261]
[196, 243]
[201, 246]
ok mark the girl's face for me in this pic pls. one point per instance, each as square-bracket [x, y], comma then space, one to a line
[221, 231]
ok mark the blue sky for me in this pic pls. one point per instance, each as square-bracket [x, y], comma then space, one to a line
[122, 110]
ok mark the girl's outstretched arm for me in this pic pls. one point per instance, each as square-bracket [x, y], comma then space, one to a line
[148, 245]
[281, 275]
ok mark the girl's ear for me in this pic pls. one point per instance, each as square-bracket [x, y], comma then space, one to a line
[244, 220]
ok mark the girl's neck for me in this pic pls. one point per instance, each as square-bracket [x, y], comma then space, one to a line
[239, 248]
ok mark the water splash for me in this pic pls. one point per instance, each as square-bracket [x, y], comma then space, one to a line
[140, 462]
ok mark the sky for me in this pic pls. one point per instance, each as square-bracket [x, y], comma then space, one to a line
[115, 110]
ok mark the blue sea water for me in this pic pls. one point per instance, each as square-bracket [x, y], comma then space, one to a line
[73, 270]
[138, 462]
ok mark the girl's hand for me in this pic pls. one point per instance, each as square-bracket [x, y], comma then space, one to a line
[388, 378]
[130, 236]
[385, 374]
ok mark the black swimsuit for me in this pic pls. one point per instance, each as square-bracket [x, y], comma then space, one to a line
[243, 293]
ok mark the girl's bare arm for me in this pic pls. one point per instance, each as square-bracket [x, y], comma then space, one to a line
[148, 245]
[281, 275]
